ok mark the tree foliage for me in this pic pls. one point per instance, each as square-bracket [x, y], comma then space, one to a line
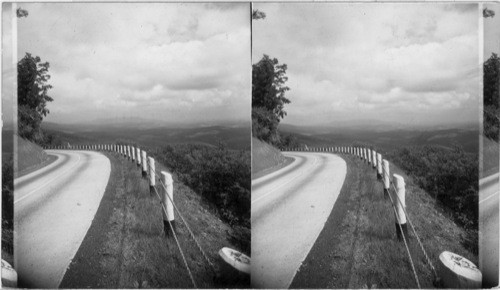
[491, 94]
[488, 13]
[268, 98]
[268, 86]
[21, 13]
[450, 176]
[256, 15]
[32, 89]
[221, 176]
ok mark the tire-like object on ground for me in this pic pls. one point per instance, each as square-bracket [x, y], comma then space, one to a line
[458, 272]
[236, 259]
[9, 275]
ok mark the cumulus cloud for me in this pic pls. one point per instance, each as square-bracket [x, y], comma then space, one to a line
[361, 60]
[122, 59]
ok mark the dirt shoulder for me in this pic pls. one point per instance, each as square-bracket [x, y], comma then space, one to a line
[126, 246]
[358, 247]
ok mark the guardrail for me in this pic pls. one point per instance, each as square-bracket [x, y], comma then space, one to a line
[164, 190]
[455, 271]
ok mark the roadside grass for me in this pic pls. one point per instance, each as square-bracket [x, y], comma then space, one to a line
[266, 159]
[134, 252]
[489, 158]
[30, 157]
[363, 250]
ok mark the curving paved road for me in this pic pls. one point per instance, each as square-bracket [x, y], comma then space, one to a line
[289, 209]
[53, 209]
[488, 228]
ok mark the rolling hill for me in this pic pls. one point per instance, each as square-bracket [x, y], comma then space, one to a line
[466, 137]
[236, 136]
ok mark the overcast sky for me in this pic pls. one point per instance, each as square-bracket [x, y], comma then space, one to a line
[406, 63]
[492, 31]
[7, 68]
[171, 62]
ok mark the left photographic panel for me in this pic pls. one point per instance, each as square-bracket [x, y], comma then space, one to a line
[132, 151]
[9, 275]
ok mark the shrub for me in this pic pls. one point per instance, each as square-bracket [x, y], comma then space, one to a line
[451, 176]
[221, 176]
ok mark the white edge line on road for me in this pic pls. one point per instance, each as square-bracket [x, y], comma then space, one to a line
[283, 184]
[46, 183]
[491, 195]
[34, 173]
[487, 180]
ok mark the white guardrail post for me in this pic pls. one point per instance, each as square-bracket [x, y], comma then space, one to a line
[133, 153]
[379, 166]
[152, 179]
[369, 153]
[385, 177]
[168, 191]
[139, 157]
[374, 158]
[144, 164]
[399, 200]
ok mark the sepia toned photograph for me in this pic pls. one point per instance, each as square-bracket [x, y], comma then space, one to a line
[365, 141]
[131, 147]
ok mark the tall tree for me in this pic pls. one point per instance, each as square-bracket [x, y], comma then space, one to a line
[32, 96]
[491, 95]
[268, 86]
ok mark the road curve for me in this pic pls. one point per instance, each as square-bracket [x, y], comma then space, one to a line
[289, 209]
[489, 230]
[53, 209]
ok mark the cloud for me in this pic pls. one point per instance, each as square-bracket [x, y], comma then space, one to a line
[122, 59]
[355, 60]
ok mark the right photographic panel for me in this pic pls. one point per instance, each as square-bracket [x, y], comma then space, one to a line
[489, 178]
[366, 134]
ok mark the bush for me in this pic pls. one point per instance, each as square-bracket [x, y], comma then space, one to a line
[7, 191]
[7, 205]
[221, 176]
[451, 176]
[265, 125]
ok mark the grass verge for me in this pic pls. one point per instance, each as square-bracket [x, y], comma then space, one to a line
[266, 159]
[30, 157]
[358, 247]
[126, 247]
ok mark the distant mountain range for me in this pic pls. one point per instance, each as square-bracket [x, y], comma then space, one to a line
[141, 123]
[146, 132]
[370, 126]
[388, 137]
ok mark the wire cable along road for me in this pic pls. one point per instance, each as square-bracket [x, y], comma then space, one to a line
[289, 209]
[53, 210]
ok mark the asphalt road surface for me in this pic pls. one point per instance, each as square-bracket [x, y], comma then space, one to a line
[289, 209]
[488, 228]
[53, 209]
